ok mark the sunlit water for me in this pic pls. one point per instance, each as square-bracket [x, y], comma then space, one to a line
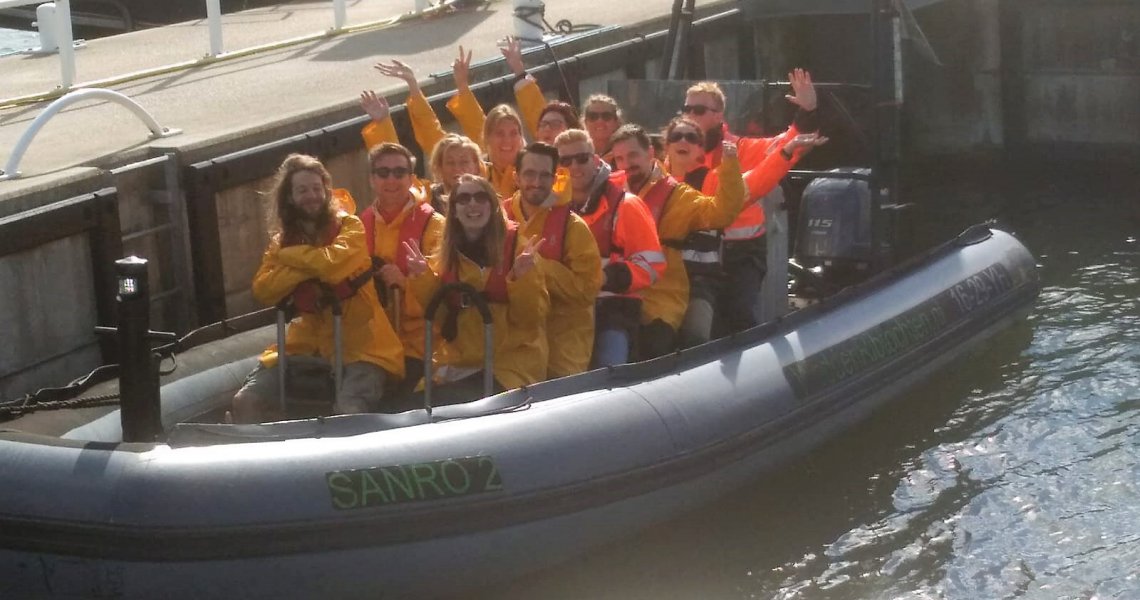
[13, 40]
[1013, 474]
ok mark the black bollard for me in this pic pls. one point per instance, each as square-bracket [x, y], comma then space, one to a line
[138, 371]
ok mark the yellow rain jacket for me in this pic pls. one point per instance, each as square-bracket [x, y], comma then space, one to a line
[368, 336]
[425, 126]
[466, 109]
[519, 327]
[573, 272]
[386, 242]
[687, 210]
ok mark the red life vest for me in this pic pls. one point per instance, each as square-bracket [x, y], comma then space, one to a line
[495, 289]
[308, 296]
[554, 232]
[603, 226]
[411, 231]
[657, 195]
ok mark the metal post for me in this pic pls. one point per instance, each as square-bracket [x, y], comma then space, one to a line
[214, 18]
[46, 25]
[141, 408]
[488, 359]
[66, 44]
[340, 16]
[180, 245]
[282, 358]
[338, 347]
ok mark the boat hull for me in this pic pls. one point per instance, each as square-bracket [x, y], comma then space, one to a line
[391, 506]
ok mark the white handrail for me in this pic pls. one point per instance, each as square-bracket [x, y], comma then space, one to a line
[11, 169]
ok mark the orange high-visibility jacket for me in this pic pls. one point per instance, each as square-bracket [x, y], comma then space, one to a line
[573, 274]
[761, 160]
[686, 210]
[367, 334]
[627, 239]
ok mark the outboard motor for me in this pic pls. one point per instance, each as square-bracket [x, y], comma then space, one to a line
[833, 241]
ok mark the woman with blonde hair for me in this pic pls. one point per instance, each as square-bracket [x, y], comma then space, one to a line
[482, 249]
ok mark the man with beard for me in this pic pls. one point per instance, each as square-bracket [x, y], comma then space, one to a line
[319, 251]
[573, 269]
[627, 241]
[745, 248]
[678, 210]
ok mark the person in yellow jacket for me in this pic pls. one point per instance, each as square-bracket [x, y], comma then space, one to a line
[451, 155]
[679, 210]
[481, 247]
[400, 213]
[499, 132]
[573, 268]
[319, 250]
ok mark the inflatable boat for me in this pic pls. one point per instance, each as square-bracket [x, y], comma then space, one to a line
[418, 504]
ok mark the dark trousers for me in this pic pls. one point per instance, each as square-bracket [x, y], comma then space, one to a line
[655, 339]
[745, 265]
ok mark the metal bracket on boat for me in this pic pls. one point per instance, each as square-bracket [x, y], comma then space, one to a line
[11, 169]
[480, 303]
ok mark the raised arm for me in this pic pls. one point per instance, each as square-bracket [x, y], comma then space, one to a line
[528, 95]
[464, 106]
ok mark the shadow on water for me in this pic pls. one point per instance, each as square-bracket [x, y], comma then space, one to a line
[783, 526]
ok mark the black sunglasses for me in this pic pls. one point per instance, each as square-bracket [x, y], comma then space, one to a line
[385, 172]
[688, 136]
[466, 197]
[605, 116]
[580, 158]
[697, 109]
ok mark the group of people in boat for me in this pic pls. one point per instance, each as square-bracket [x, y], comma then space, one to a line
[593, 245]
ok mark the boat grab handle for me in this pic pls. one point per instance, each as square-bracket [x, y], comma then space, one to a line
[488, 336]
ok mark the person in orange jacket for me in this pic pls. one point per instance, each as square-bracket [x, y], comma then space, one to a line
[702, 250]
[626, 236]
[745, 249]
[400, 214]
[573, 267]
[319, 250]
[481, 247]
[679, 210]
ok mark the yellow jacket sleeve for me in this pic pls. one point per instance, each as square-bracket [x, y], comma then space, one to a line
[530, 100]
[343, 258]
[274, 281]
[425, 123]
[375, 133]
[720, 210]
[466, 109]
[578, 277]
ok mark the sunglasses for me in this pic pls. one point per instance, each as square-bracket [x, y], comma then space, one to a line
[688, 136]
[385, 172]
[552, 124]
[580, 158]
[464, 198]
[605, 116]
[697, 109]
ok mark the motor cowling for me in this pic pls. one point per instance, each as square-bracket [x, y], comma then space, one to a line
[834, 229]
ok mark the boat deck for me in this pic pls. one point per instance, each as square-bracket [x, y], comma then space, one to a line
[290, 89]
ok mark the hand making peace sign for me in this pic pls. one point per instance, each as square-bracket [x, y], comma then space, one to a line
[526, 259]
[417, 263]
[461, 70]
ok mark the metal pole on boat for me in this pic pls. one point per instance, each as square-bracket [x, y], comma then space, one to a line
[338, 342]
[214, 19]
[282, 358]
[396, 293]
[141, 410]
